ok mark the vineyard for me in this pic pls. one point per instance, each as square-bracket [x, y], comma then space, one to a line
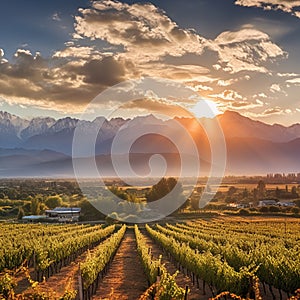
[191, 260]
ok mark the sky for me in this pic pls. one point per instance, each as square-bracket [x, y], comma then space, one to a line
[241, 55]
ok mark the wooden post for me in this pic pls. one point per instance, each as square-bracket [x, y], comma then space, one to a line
[80, 283]
[186, 292]
[34, 267]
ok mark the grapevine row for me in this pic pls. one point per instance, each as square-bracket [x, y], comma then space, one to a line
[211, 269]
[166, 286]
[96, 262]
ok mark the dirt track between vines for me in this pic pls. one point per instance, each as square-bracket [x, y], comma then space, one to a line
[125, 279]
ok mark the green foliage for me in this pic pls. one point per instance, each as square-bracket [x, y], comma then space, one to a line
[294, 192]
[7, 285]
[169, 188]
[231, 191]
[53, 201]
[264, 209]
[274, 209]
[295, 210]
[208, 267]
[162, 188]
[89, 212]
[21, 213]
[269, 249]
[47, 243]
[244, 212]
[166, 286]
[35, 206]
[96, 261]
[297, 202]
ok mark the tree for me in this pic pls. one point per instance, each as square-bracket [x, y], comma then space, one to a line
[163, 188]
[231, 191]
[245, 193]
[261, 187]
[294, 192]
[124, 195]
[255, 194]
[277, 192]
[35, 206]
[264, 209]
[21, 213]
[195, 202]
[274, 209]
[228, 199]
[89, 212]
[53, 201]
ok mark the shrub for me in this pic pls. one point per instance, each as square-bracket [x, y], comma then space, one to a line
[264, 209]
[244, 212]
[253, 209]
[274, 209]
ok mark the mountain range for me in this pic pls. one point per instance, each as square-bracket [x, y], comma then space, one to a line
[43, 146]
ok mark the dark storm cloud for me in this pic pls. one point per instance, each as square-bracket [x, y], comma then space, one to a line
[57, 81]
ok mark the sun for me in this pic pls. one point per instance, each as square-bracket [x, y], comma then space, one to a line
[205, 108]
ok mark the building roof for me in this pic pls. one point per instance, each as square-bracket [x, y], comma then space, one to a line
[64, 210]
[268, 201]
[33, 217]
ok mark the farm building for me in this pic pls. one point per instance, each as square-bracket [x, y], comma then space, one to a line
[286, 203]
[267, 203]
[64, 214]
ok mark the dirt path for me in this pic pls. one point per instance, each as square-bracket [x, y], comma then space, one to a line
[182, 280]
[125, 279]
[65, 279]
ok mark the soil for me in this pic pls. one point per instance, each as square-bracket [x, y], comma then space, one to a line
[57, 284]
[125, 279]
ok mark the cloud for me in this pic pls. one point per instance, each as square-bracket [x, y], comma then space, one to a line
[75, 52]
[245, 50]
[135, 40]
[105, 72]
[227, 82]
[288, 74]
[156, 106]
[295, 81]
[275, 88]
[145, 31]
[260, 95]
[56, 17]
[228, 95]
[2, 59]
[272, 111]
[147, 34]
[288, 6]
[201, 87]
[65, 85]
[182, 73]
[244, 105]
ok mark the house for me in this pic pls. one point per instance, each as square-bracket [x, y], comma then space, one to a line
[267, 203]
[238, 205]
[64, 214]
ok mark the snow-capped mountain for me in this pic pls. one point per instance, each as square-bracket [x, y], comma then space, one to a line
[11, 127]
[252, 146]
[37, 126]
